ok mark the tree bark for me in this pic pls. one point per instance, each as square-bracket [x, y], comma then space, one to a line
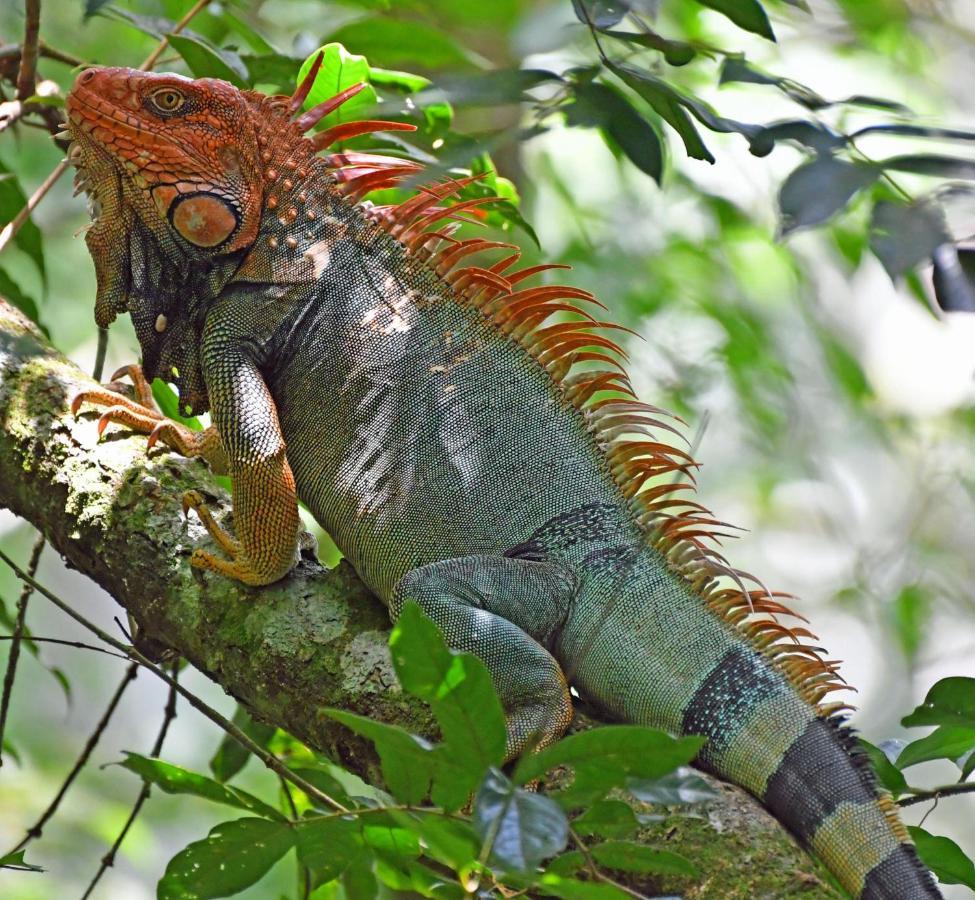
[316, 639]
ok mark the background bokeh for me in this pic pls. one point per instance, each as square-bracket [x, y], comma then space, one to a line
[833, 410]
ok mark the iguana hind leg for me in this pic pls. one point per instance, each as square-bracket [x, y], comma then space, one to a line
[503, 611]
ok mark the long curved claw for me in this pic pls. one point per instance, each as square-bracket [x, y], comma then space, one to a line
[228, 543]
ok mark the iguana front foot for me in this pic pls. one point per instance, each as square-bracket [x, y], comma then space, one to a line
[142, 416]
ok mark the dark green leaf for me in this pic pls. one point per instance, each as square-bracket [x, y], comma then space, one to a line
[450, 841]
[458, 688]
[566, 863]
[233, 856]
[205, 61]
[912, 605]
[340, 70]
[887, 773]
[556, 885]
[819, 189]
[607, 818]
[494, 88]
[600, 13]
[902, 236]
[231, 757]
[954, 278]
[522, 828]
[274, 69]
[390, 840]
[747, 14]
[681, 786]
[16, 862]
[398, 43]
[92, 7]
[608, 757]
[677, 53]
[951, 134]
[946, 742]
[12, 201]
[10, 290]
[930, 164]
[631, 857]
[943, 857]
[328, 846]
[255, 40]
[599, 106]
[951, 701]
[177, 780]
[324, 781]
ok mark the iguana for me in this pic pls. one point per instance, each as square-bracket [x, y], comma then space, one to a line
[472, 444]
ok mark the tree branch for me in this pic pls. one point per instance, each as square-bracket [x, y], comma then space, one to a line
[316, 639]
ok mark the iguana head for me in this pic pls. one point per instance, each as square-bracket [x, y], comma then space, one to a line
[173, 171]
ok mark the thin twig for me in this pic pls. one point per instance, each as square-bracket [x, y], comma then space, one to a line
[304, 873]
[35, 830]
[595, 871]
[946, 790]
[17, 637]
[180, 25]
[271, 761]
[27, 73]
[18, 221]
[108, 860]
[78, 644]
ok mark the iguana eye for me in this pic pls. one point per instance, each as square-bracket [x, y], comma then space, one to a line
[167, 100]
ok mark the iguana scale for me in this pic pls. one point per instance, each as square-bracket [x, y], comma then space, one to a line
[472, 444]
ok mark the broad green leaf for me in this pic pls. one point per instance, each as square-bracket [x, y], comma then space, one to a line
[628, 856]
[340, 70]
[677, 53]
[257, 42]
[912, 605]
[458, 688]
[943, 857]
[887, 773]
[233, 856]
[397, 43]
[495, 88]
[394, 841]
[205, 61]
[946, 742]
[607, 818]
[566, 863]
[28, 239]
[673, 789]
[813, 135]
[606, 757]
[450, 841]
[522, 828]
[573, 889]
[168, 402]
[177, 780]
[747, 14]
[597, 105]
[930, 164]
[324, 781]
[329, 846]
[231, 757]
[951, 701]
[17, 863]
[818, 190]
[954, 278]
[272, 69]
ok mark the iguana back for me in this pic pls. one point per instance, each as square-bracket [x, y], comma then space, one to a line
[471, 444]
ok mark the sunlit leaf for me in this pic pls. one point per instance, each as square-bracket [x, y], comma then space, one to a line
[818, 190]
[177, 780]
[522, 827]
[340, 70]
[943, 857]
[233, 856]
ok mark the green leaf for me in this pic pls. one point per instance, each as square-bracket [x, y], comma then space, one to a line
[329, 846]
[946, 742]
[627, 856]
[231, 757]
[951, 701]
[676, 53]
[10, 290]
[818, 190]
[340, 70]
[167, 399]
[954, 278]
[887, 773]
[205, 61]
[747, 14]
[450, 841]
[607, 818]
[177, 780]
[232, 857]
[597, 105]
[458, 688]
[12, 201]
[912, 605]
[16, 862]
[556, 885]
[396, 43]
[929, 164]
[607, 757]
[522, 827]
[673, 789]
[943, 857]
[495, 88]
[274, 69]
[391, 840]
[600, 13]
[902, 235]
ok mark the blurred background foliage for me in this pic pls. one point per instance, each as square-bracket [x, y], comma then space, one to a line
[786, 223]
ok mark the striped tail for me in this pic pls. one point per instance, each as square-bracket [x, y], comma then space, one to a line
[808, 772]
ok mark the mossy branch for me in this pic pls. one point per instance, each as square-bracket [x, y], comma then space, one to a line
[314, 640]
